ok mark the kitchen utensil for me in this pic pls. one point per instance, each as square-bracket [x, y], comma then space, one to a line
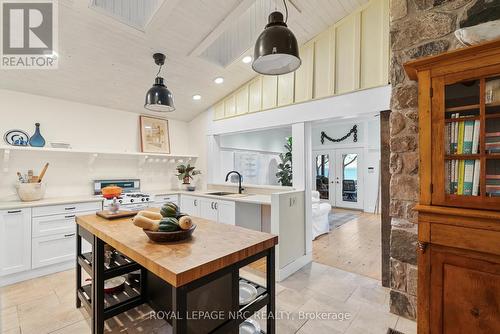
[20, 177]
[248, 293]
[106, 214]
[30, 175]
[170, 236]
[42, 174]
[30, 191]
[249, 326]
[110, 192]
[115, 284]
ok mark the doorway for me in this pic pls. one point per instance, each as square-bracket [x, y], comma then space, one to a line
[339, 178]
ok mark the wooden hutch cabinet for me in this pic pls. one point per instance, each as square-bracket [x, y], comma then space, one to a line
[459, 208]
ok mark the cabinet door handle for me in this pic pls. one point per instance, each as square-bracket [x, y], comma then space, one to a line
[70, 216]
[212, 205]
[69, 235]
[14, 211]
[70, 208]
[216, 206]
[195, 202]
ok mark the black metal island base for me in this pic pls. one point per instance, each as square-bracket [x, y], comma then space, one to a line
[192, 284]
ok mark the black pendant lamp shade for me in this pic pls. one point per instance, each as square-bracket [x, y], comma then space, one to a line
[276, 50]
[158, 97]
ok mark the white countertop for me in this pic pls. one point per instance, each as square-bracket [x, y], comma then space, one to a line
[250, 198]
[15, 203]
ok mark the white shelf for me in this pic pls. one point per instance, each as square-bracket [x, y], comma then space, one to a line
[94, 154]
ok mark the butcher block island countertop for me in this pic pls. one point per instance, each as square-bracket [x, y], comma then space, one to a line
[200, 274]
[212, 247]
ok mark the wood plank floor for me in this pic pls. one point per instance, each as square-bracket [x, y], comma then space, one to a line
[354, 247]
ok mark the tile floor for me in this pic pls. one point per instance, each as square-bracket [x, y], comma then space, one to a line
[46, 305]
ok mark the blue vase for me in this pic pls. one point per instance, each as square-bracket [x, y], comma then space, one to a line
[37, 140]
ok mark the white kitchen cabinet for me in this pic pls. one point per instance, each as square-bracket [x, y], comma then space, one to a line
[255, 95]
[207, 207]
[53, 249]
[15, 241]
[286, 89]
[68, 209]
[226, 212]
[159, 200]
[190, 205]
[269, 91]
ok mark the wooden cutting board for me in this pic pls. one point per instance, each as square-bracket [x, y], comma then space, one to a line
[106, 214]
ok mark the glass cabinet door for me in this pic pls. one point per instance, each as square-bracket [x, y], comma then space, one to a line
[469, 111]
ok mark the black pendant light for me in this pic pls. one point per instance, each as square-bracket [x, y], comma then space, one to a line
[159, 98]
[276, 50]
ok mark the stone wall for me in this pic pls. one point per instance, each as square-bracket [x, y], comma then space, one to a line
[418, 28]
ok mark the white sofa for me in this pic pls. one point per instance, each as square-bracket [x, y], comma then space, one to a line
[320, 211]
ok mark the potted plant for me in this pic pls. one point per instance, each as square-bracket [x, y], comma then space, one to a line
[186, 173]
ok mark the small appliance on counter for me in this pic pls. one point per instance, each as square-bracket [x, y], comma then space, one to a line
[130, 199]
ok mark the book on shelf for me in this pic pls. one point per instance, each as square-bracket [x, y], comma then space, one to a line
[475, 179]
[475, 137]
[463, 177]
[468, 133]
[462, 137]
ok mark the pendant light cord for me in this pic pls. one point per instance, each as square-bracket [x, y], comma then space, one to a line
[286, 11]
[158, 71]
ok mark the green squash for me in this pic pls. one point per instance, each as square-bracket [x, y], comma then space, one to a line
[169, 224]
[169, 209]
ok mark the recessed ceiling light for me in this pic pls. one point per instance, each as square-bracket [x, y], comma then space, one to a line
[219, 80]
[196, 97]
[247, 59]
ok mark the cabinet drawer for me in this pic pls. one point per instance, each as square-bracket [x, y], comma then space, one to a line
[466, 238]
[66, 208]
[53, 249]
[161, 199]
[55, 224]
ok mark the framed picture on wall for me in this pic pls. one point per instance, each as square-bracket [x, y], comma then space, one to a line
[154, 135]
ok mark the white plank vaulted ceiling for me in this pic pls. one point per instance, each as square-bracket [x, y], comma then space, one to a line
[105, 49]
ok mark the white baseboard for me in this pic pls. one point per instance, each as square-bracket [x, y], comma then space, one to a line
[30, 274]
[293, 267]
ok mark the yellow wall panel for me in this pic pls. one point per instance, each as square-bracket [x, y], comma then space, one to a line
[242, 100]
[373, 57]
[219, 110]
[324, 58]
[230, 106]
[347, 54]
[286, 89]
[255, 95]
[304, 74]
[269, 91]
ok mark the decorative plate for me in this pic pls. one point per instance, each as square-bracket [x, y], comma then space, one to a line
[249, 326]
[248, 293]
[16, 138]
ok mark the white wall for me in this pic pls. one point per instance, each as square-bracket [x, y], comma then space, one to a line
[368, 141]
[84, 127]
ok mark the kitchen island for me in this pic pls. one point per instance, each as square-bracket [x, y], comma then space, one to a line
[192, 284]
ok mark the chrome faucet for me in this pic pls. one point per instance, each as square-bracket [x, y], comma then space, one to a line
[240, 188]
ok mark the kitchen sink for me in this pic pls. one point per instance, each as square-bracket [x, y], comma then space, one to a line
[221, 193]
[228, 194]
